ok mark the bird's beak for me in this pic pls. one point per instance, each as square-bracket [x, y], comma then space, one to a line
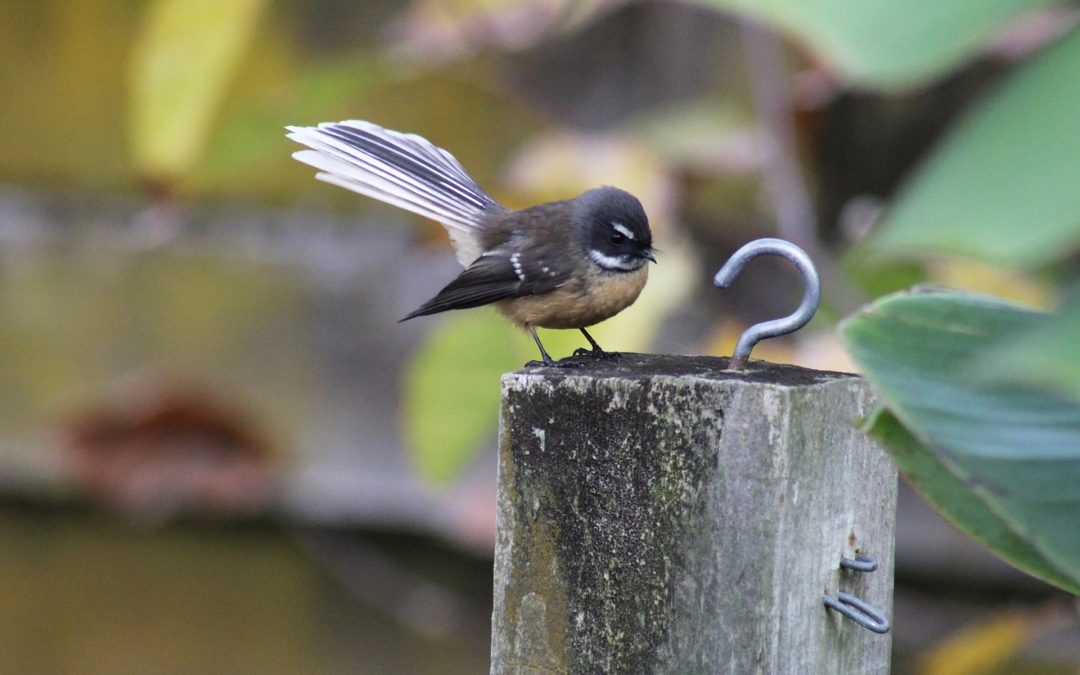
[648, 255]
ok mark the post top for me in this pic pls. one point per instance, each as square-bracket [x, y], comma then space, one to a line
[632, 366]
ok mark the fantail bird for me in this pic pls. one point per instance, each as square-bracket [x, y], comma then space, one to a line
[561, 264]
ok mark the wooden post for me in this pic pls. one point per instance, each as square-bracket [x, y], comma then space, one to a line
[657, 514]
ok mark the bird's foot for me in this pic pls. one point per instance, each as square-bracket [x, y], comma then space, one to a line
[551, 363]
[596, 353]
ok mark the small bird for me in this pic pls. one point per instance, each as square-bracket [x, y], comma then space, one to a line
[561, 264]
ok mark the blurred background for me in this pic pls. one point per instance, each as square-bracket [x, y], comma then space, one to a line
[220, 452]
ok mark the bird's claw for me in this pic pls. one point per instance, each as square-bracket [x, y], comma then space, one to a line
[596, 353]
[565, 363]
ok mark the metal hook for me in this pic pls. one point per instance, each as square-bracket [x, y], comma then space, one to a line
[861, 563]
[852, 607]
[858, 611]
[793, 322]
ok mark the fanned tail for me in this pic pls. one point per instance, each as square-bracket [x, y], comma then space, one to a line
[404, 170]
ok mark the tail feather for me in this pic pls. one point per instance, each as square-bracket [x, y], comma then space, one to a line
[409, 154]
[404, 170]
[380, 185]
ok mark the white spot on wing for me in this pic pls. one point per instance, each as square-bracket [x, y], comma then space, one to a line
[515, 261]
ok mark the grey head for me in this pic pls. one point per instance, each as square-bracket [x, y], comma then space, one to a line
[613, 228]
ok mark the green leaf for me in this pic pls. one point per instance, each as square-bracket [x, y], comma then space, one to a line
[1003, 185]
[452, 391]
[1045, 357]
[876, 278]
[887, 43]
[1014, 448]
[182, 61]
[949, 494]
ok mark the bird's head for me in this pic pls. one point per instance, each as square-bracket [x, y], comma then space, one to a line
[612, 226]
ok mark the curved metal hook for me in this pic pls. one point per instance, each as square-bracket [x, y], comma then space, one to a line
[859, 611]
[793, 322]
[861, 563]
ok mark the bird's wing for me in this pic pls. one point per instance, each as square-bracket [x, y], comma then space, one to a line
[497, 275]
[404, 170]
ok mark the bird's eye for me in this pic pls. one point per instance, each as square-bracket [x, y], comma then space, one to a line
[620, 233]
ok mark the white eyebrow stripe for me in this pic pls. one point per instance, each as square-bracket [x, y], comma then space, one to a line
[622, 229]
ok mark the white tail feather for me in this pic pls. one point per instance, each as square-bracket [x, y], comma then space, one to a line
[404, 170]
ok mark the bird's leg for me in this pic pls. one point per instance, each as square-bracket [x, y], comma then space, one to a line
[548, 361]
[596, 351]
[595, 346]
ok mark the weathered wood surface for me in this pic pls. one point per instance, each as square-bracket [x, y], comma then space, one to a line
[657, 514]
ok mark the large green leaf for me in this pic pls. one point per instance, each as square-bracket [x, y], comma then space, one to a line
[887, 43]
[185, 56]
[1013, 448]
[1003, 185]
[1046, 357]
[937, 482]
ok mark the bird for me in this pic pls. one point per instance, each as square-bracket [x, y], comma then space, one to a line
[565, 264]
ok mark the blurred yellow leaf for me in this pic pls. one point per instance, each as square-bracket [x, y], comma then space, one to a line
[726, 335]
[988, 646]
[61, 71]
[181, 63]
[980, 277]
[561, 165]
[713, 134]
[980, 648]
[823, 350]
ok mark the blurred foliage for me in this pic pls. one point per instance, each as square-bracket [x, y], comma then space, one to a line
[208, 87]
[246, 157]
[61, 121]
[997, 459]
[990, 646]
[940, 485]
[94, 598]
[1044, 356]
[181, 62]
[466, 355]
[1002, 186]
[985, 391]
[888, 43]
[74, 322]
